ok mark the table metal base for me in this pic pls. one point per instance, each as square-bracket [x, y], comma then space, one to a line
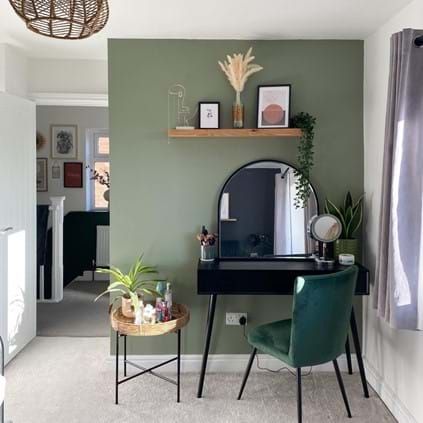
[145, 370]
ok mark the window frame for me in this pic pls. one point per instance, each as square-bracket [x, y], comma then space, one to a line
[93, 156]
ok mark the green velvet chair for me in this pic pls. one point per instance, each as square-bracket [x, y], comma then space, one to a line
[318, 329]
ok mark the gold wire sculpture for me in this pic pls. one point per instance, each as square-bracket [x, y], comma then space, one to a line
[63, 19]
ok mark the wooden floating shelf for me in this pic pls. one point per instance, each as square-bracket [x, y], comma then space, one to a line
[234, 133]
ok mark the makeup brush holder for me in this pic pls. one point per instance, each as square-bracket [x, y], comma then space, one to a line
[208, 253]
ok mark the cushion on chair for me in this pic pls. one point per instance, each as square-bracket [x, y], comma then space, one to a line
[273, 339]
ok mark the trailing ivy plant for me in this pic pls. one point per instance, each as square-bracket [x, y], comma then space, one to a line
[305, 157]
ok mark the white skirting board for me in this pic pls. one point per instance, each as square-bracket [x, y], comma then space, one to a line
[227, 363]
[388, 395]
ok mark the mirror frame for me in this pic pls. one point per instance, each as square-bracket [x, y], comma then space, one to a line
[313, 224]
[219, 224]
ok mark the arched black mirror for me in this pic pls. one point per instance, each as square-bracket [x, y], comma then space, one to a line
[257, 214]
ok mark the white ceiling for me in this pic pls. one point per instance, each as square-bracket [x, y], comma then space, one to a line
[218, 19]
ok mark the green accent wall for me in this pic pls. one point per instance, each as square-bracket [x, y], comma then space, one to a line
[164, 190]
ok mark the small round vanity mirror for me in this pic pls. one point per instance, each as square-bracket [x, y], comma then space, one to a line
[325, 228]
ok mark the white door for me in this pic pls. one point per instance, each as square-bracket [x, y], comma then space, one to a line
[17, 223]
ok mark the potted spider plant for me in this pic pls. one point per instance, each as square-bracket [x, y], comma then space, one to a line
[351, 216]
[141, 279]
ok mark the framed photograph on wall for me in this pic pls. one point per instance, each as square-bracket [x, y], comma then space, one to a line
[273, 106]
[64, 141]
[72, 175]
[42, 175]
[209, 115]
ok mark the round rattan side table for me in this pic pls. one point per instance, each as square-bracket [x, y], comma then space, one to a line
[125, 327]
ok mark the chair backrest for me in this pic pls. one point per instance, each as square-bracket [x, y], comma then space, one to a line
[321, 314]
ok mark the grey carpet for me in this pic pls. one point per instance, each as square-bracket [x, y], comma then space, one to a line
[77, 314]
[71, 380]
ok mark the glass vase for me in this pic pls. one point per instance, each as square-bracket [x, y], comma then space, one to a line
[238, 112]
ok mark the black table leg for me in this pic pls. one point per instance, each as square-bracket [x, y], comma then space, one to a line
[117, 369]
[299, 397]
[348, 354]
[178, 386]
[124, 355]
[210, 318]
[356, 341]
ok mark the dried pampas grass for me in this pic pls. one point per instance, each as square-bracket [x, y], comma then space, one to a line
[239, 68]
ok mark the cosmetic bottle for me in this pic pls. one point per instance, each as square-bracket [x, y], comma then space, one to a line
[159, 317]
[168, 299]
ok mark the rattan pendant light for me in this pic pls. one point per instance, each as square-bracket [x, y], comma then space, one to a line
[63, 19]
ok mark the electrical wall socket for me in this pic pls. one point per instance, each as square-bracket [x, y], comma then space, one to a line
[233, 318]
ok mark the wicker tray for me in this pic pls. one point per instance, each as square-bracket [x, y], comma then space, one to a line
[126, 326]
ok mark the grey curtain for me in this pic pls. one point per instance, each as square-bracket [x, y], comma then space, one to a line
[399, 276]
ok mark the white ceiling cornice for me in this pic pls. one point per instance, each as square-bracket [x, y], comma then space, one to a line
[218, 19]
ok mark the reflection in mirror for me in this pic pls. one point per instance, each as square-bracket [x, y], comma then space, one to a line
[258, 218]
[326, 228]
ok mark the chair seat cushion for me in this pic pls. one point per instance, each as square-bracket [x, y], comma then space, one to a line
[273, 339]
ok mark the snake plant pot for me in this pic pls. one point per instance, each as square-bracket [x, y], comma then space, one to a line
[347, 246]
[127, 310]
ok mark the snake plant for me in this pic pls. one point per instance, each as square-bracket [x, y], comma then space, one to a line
[133, 283]
[350, 214]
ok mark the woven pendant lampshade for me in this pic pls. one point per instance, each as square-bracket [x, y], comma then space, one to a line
[63, 19]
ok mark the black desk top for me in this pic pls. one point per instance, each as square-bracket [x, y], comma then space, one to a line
[266, 277]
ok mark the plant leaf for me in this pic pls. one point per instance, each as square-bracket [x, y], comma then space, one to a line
[336, 212]
[358, 202]
[355, 222]
[108, 292]
[348, 201]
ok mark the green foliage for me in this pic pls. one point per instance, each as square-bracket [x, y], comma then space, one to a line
[133, 283]
[305, 158]
[350, 214]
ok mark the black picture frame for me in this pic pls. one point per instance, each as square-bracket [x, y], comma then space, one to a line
[204, 103]
[73, 175]
[287, 117]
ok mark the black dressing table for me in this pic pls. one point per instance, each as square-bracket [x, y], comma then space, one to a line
[268, 277]
[260, 251]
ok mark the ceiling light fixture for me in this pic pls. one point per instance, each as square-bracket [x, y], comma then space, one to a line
[63, 19]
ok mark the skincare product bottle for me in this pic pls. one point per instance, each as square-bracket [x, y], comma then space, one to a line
[159, 317]
[161, 288]
[139, 314]
[168, 299]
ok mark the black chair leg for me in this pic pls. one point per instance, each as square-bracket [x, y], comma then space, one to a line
[299, 397]
[341, 386]
[247, 372]
[348, 354]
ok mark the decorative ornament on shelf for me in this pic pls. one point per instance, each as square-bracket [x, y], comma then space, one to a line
[305, 157]
[238, 69]
[63, 19]
[179, 114]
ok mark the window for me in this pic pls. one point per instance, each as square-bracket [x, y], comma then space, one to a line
[98, 150]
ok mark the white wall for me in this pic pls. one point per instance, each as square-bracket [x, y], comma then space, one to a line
[394, 358]
[85, 118]
[67, 76]
[18, 211]
[13, 71]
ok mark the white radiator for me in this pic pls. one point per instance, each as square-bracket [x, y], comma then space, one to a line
[103, 246]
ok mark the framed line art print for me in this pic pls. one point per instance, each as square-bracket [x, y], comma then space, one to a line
[42, 175]
[64, 141]
[273, 106]
[209, 115]
[72, 175]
